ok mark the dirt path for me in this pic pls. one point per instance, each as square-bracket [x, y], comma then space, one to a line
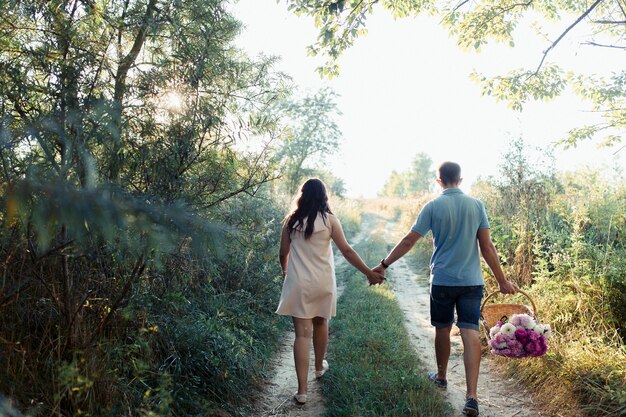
[498, 397]
[277, 398]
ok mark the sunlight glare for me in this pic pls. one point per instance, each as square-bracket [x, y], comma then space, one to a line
[173, 101]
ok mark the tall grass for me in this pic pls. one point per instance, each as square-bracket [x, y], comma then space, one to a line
[566, 250]
[191, 336]
[572, 262]
[375, 370]
[349, 213]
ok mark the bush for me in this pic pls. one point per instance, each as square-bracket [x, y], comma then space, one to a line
[571, 260]
[349, 214]
[185, 335]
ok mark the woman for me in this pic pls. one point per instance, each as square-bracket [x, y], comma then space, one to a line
[309, 292]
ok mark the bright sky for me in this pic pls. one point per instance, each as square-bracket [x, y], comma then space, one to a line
[404, 88]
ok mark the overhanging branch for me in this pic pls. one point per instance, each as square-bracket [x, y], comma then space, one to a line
[565, 32]
[591, 43]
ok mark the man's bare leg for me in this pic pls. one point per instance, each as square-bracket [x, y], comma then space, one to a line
[442, 350]
[471, 359]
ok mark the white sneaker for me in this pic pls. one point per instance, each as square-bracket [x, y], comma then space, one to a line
[300, 398]
[325, 366]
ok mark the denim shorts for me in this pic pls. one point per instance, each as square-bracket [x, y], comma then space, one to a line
[466, 299]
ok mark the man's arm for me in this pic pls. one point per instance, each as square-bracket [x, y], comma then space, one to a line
[351, 255]
[402, 247]
[488, 250]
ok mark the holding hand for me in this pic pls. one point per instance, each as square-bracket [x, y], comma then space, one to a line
[374, 277]
[380, 269]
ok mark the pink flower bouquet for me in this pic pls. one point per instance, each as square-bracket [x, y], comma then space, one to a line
[520, 337]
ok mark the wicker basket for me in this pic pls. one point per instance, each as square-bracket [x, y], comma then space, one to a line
[490, 314]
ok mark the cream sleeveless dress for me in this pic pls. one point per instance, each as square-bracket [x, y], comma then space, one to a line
[310, 289]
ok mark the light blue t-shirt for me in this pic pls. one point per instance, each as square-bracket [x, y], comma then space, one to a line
[454, 219]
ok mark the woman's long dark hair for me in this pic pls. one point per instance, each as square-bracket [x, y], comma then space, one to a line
[311, 200]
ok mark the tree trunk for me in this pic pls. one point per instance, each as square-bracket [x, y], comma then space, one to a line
[121, 75]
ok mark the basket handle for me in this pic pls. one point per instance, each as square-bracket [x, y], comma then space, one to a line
[498, 292]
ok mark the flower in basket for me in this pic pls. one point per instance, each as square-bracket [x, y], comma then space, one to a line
[523, 320]
[520, 337]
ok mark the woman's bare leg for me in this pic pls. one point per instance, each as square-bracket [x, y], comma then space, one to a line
[301, 347]
[320, 340]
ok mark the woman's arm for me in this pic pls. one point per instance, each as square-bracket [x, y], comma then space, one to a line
[285, 242]
[350, 254]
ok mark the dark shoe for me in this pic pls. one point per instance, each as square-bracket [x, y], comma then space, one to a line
[471, 407]
[440, 383]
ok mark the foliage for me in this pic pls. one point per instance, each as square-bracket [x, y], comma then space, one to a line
[475, 23]
[191, 335]
[341, 22]
[138, 239]
[384, 378]
[335, 186]
[216, 335]
[350, 215]
[524, 189]
[418, 179]
[312, 135]
[559, 237]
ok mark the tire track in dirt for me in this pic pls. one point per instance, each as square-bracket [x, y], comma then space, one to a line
[498, 396]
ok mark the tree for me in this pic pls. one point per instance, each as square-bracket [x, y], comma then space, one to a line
[421, 174]
[117, 159]
[519, 199]
[418, 179]
[84, 92]
[395, 186]
[336, 186]
[474, 23]
[311, 134]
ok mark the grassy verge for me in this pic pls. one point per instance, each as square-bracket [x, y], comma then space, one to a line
[375, 371]
[581, 374]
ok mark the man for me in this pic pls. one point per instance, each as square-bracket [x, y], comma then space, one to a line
[460, 227]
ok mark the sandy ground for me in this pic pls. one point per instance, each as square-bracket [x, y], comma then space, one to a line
[498, 397]
[278, 395]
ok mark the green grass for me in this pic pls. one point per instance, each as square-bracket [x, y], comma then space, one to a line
[582, 373]
[375, 370]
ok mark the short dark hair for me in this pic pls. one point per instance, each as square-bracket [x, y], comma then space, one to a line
[449, 172]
